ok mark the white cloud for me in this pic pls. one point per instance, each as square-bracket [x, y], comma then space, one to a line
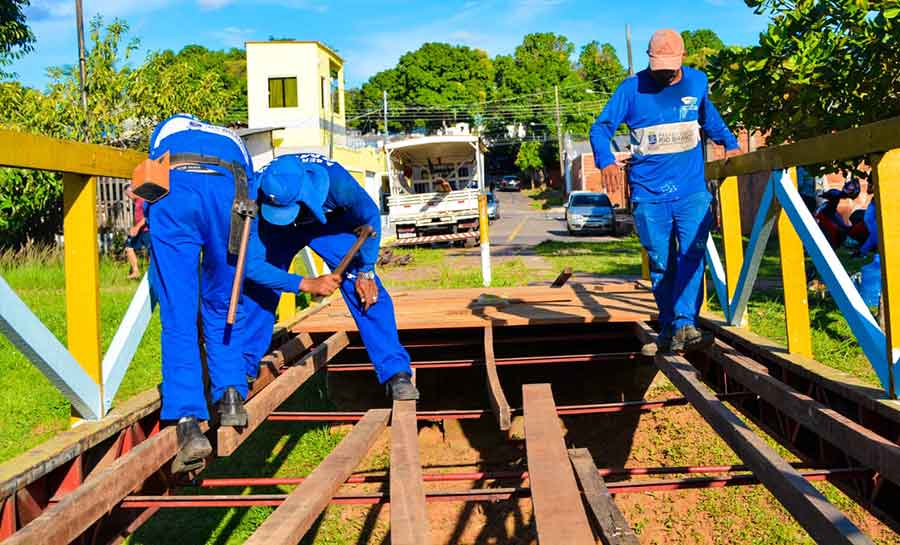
[233, 36]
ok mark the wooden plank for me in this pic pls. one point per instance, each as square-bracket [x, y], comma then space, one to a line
[858, 442]
[34, 151]
[558, 510]
[848, 144]
[409, 519]
[273, 395]
[793, 279]
[293, 518]
[887, 199]
[824, 522]
[497, 398]
[562, 278]
[614, 528]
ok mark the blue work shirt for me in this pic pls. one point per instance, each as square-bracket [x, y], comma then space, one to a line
[347, 197]
[664, 123]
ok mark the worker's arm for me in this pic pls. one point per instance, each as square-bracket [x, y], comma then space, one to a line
[263, 273]
[353, 199]
[714, 126]
[608, 122]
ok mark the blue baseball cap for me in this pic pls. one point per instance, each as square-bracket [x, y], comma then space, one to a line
[286, 184]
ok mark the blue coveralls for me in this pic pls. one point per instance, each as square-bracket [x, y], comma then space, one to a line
[346, 207]
[670, 201]
[189, 228]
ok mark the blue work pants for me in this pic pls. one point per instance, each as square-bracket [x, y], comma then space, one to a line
[674, 234]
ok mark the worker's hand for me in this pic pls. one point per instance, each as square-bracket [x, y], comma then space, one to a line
[732, 153]
[611, 170]
[367, 290]
[134, 231]
[321, 285]
[622, 158]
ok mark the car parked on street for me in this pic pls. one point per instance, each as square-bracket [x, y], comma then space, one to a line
[590, 211]
[510, 182]
[493, 207]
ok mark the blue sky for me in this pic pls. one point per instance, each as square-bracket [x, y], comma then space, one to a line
[372, 35]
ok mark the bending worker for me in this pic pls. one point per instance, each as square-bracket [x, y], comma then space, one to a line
[665, 106]
[307, 200]
[190, 230]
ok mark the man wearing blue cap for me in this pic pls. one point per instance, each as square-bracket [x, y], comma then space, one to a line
[191, 273]
[308, 200]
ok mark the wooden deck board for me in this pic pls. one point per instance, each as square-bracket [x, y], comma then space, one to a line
[497, 398]
[474, 307]
[613, 526]
[409, 518]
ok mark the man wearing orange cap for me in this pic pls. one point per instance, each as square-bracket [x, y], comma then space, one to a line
[665, 106]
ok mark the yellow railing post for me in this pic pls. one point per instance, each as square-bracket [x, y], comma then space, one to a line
[82, 267]
[887, 198]
[287, 305]
[730, 206]
[645, 264]
[793, 277]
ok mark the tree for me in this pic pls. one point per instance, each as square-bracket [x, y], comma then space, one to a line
[599, 65]
[818, 68]
[16, 38]
[699, 46]
[529, 159]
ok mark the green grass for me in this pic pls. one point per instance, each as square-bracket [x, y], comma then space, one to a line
[546, 198]
[38, 277]
[619, 257]
[431, 268]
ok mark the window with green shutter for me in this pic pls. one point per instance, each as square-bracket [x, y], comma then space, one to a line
[283, 93]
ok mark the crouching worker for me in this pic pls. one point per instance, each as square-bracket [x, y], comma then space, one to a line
[191, 274]
[307, 200]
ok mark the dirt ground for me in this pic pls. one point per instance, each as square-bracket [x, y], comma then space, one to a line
[673, 436]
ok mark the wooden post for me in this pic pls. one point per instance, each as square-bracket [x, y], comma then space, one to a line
[287, 305]
[82, 269]
[645, 265]
[793, 278]
[887, 199]
[730, 205]
[497, 398]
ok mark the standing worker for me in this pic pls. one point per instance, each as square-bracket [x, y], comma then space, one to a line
[138, 235]
[665, 106]
[308, 200]
[191, 273]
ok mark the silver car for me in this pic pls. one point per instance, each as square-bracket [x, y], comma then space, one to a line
[510, 182]
[590, 211]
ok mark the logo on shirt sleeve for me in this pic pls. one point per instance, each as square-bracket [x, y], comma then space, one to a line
[689, 104]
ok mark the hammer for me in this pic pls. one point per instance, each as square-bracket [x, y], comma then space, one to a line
[363, 232]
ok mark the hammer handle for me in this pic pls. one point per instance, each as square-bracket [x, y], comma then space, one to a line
[239, 272]
[365, 231]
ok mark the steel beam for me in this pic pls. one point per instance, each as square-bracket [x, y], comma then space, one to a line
[824, 522]
[263, 404]
[409, 518]
[614, 528]
[497, 398]
[558, 512]
[293, 518]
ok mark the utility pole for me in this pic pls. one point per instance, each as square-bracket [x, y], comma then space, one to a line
[628, 46]
[559, 138]
[79, 21]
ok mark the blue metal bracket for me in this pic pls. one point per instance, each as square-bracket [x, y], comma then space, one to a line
[42, 348]
[126, 341]
[717, 272]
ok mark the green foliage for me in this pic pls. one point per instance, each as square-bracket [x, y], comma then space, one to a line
[599, 65]
[16, 38]
[30, 206]
[699, 46]
[529, 159]
[819, 67]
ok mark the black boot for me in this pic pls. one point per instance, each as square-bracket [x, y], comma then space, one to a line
[231, 409]
[401, 388]
[193, 446]
[691, 339]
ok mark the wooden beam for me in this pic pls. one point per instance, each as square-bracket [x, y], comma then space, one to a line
[848, 144]
[558, 511]
[34, 151]
[409, 519]
[824, 522]
[562, 278]
[261, 405]
[857, 441]
[614, 529]
[887, 169]
[793, 280]
[497, 398]
[293, 518]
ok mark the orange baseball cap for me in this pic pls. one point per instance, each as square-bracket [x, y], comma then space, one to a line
[666, 50]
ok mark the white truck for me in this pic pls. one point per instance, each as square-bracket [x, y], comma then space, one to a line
[434, 184]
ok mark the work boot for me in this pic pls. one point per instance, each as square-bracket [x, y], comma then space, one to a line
[690, 339]
[231, 409]
[661, 346]
[401, 388]
[193, 446]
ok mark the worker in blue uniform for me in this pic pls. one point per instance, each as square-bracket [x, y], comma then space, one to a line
[190, 231]
[665, 108]
[308, 200]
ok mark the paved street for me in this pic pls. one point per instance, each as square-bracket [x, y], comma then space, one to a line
[522, 225]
